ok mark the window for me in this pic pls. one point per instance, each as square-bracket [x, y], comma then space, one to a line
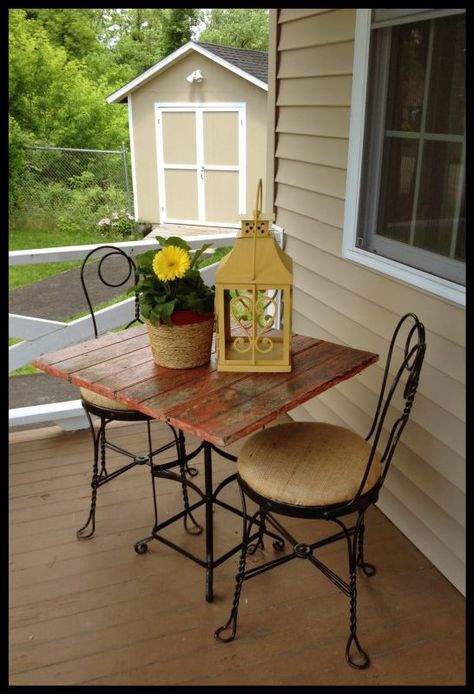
[410, 194]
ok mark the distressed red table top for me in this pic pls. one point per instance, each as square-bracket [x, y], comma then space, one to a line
[218, 407]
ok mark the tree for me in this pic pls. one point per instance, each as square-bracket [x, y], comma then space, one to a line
[51, 98]
[75, 30]
[240, 28]
[133, 38]
[177, 27]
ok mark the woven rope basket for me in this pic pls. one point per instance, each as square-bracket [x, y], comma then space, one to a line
[181, 346]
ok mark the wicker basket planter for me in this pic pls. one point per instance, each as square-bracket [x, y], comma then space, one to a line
[185, 344]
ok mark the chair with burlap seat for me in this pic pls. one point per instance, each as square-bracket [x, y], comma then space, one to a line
[117, 269]
[315, 470]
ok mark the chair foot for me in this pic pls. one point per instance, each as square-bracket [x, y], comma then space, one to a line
[191, 471]
[82, 533]
[361, 660]
[195, 529]
[368, 569]
[251, 549]
[230, 624]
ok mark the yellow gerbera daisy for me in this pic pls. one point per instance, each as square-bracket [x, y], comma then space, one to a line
[171, 262]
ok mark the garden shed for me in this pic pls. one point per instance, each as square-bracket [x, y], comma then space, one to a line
[197, 123]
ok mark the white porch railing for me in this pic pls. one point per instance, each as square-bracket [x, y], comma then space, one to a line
[40, 335]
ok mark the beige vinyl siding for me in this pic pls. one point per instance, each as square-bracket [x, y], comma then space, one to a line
[314, 120]
[320, 91]
[341, 301]
[314, 61]
[311, 149]
[316, 29]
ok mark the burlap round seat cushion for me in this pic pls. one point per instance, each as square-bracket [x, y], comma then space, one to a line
[102, 401]
[307, 463]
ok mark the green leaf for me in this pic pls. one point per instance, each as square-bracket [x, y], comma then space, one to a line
[173, 241]
[195, 257]
[167, 308]
[144, 262]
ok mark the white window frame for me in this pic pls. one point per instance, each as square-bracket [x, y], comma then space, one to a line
[418, 278]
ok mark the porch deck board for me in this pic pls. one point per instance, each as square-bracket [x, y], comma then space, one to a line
[94, 612]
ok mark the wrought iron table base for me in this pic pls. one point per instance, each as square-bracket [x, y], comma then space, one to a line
[208, 498]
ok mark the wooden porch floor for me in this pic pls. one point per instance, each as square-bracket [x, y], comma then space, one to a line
[94, 612]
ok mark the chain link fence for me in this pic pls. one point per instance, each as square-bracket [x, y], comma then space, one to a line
[69, 188]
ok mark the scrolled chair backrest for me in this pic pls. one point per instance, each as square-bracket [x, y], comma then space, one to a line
[410, 365]
[106, 252]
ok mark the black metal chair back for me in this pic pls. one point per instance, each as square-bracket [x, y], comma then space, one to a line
[121, 272]
[414, 348]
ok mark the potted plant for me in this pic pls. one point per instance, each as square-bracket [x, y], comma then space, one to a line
[178, 307]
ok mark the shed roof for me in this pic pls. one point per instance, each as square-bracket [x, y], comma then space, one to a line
[253, 62]
[248, 64]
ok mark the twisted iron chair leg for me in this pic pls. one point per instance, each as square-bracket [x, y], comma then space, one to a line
[81, 534]
[239, 578]
[362, 660]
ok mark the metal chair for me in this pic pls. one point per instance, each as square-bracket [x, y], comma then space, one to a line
[320, 471]
[122, 271]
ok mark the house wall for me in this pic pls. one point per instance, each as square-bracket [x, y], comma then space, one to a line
[338, 300]
[219, 85]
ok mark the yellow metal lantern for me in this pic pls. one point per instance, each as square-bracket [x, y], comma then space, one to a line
[253, 300]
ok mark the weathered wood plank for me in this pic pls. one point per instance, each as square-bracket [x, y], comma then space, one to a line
[115, 367]
[102, 355]
[87, 346]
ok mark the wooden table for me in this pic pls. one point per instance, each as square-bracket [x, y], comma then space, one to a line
[217, 407]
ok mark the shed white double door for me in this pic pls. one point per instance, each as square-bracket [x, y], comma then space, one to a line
[201, 163]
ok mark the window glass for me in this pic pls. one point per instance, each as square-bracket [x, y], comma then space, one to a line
[447, 94]
[407, 76]
[412, 203]
[397, 189]
[438, 196]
